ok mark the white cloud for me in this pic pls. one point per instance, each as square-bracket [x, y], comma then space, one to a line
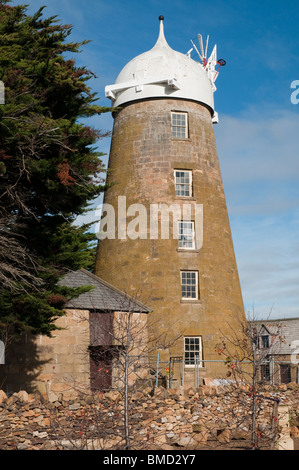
[259, 146]
[258, 152]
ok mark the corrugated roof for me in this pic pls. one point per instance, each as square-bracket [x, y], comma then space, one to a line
[286, 330]
[102, 296]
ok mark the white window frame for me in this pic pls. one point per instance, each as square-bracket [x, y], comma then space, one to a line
[188, 236]
[179, 184]
[190, 285]
[191, 348]
[179, 124]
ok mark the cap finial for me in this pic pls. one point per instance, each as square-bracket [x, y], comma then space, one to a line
[161, 18]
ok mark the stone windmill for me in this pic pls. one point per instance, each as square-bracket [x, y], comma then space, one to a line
[164, 173]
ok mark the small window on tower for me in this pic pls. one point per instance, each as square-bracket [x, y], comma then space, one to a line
[183, 183]
[193, 351]
[186, 235]
[189, 284]
[179, 125]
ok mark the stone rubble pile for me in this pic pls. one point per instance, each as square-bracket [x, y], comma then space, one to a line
[184, 418]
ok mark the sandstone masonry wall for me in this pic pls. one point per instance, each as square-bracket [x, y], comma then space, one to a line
[206, 417]
[50, 364]
[143, 158]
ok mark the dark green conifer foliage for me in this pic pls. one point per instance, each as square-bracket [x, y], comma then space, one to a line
[49, 166]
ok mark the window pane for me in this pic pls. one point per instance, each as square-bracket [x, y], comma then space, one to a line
[186, 234]
[193, 351]
[189, 285]
[179, 125]
[265, 341]
[183, 183]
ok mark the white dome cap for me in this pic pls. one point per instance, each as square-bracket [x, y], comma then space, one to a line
[164, 73]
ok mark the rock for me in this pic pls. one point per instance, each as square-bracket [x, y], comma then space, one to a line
[113, 395]
[36, 397]
[292, 386]
[160, 391]
[160, 439]
[3, 396]
[170, 401]
[12, 399]
[22, 446]
[283, 387]
[52, 397]
[223, 435]
[23, 396]
[136, 396]
[147, 391]
[74, 406]
[205, 389]
[186, 441]
[166, 447]
[239, 434]
[201, 438]
[197, 427]
[155, 422]
[28, 414]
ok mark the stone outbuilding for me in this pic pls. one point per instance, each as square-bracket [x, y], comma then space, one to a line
[81, 354]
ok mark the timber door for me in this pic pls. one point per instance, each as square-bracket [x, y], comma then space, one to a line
[100, 368]
[101, 350]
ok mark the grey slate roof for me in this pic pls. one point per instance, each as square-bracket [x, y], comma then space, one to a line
[102, 296]
[287, 328]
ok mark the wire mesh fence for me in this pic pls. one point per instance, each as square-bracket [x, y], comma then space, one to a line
[175, 372]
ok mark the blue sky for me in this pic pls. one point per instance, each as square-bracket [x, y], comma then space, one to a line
[258, 129]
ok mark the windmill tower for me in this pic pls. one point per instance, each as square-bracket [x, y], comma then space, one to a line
[163, 156]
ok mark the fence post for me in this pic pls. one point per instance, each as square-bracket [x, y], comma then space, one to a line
[157, 372]
[272, 369]
[274, 425]
[196, 371]
[118, 375]
[181, 373]
[285, 442]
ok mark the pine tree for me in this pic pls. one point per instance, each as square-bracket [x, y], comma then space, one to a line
[49, 166]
